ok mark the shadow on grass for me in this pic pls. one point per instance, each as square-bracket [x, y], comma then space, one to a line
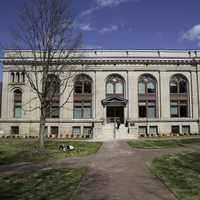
[51, 184]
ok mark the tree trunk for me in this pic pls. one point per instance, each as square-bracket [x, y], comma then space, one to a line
[42, 132]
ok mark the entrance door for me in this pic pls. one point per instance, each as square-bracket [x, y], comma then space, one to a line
[114, 113]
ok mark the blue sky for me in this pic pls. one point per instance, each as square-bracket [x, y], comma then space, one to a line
[121, 24]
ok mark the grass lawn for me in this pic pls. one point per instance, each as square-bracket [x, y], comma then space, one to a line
[26, 150]
[53, 184]
[162, 143]
[181, 173]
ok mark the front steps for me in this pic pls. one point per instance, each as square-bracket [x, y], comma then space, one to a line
[107, 133]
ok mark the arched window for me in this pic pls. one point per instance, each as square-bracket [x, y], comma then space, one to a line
[83, 85]
[17, 103]
[52, 103]
[115, 85]
[147, 96]
[82, 97]
[179, 96]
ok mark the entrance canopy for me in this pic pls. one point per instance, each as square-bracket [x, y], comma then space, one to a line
[114, 101]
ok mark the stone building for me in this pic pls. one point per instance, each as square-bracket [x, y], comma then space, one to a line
[149, 91]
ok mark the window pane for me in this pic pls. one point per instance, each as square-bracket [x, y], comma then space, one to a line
[54, 131]
[174, 111]
[151, 87]
[142, 130]
[151, 112]
[110, 88]
[153, 130]
[87, 88]
[77, 112]
[76, 130]
[142, 111]
[118, 88]
[183, 111]
[174, 103]
[141, 88]
[78, 87]
[86, 112]
[183, 87]
[175, 129]
[55, 112]
[15, 130]
[173, 87]
[18, 112]
[186, 129]
[87, 130]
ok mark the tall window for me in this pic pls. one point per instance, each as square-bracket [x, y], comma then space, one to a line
[147, 96]
[17, 103]
[53, 97]
[179, 96]
[115, 85]
[83, 97]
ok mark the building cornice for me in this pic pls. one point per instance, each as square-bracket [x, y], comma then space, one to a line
[102, 57]
[106, 61]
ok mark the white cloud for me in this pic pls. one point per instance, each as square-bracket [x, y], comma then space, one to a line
[106, 3]
[192, 34]
[89, 11]
[86, 27]
[109, 29]
[103, 4]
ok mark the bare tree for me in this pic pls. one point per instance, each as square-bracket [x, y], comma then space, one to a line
[46, 29]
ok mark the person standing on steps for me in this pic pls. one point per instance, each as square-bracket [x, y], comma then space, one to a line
[118, 124]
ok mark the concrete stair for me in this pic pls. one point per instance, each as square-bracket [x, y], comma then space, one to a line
[107, 133]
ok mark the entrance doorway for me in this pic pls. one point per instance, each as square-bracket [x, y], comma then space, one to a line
[115, 112]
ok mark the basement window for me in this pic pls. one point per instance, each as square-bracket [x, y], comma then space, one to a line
[15, 130]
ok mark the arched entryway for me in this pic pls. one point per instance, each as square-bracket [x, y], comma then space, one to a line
[115, 101]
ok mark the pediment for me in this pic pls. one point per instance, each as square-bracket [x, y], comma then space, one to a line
[114, 100]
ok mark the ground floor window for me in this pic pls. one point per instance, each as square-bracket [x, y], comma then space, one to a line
[175, 129]
[76, 130]
[142, 130]
[87, 130]
[153, 130]
[54, 131]
[15, 130]
[82, 110]
[186, 129]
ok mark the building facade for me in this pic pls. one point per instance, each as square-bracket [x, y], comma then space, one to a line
[149, 91]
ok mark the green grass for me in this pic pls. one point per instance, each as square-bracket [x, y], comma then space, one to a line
[181, 173]
[162, 143]
[22, 150]
[53, 184]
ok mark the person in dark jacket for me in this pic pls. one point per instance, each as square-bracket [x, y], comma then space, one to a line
[118, 124]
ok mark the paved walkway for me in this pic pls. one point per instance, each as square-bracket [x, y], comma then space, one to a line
[116, 172]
